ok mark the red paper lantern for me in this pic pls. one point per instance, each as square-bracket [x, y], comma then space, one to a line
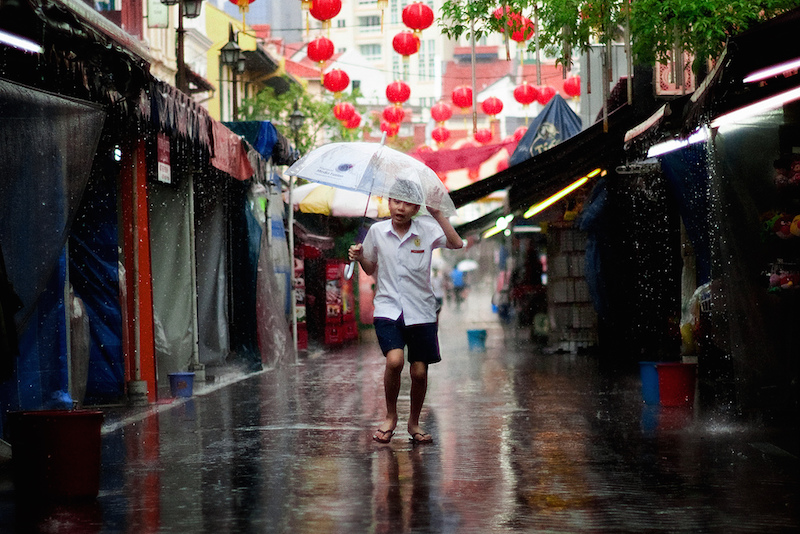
[336, 81]
[320, 49]
[545, 94]
[484, 135]
[462, 96]
[572, 86]
[417, 16]
[522, 29]
[526, 94]
[325, 10]
[406, 44]
[244, 5]
[440, 134]
[398, 92]
[492, 106]
[519, 132]
[343, 111]
[390, 128]
[441, 112]
[393, 114]
[354, 122]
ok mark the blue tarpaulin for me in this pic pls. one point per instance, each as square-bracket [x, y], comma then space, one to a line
[554, 124]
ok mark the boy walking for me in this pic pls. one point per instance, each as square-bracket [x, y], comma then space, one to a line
[398, 251]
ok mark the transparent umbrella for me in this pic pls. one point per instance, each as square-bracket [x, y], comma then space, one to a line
[375, 169]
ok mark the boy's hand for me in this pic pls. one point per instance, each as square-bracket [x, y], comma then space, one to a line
[355, 252]
[434, 212]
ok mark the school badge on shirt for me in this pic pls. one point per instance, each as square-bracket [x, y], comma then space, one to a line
[417, 251]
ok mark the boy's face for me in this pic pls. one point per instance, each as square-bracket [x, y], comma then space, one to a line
[402, 211]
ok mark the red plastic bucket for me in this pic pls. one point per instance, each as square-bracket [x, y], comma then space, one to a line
[676, 383]
[56, 453]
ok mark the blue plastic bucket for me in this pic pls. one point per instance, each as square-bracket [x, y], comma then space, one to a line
[181, 384]
[649, 374]
[477, 339]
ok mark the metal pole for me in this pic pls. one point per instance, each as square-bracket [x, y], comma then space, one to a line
[234, 95]
[180, 75]
[291, 267]
[474, 86]
[536, 43]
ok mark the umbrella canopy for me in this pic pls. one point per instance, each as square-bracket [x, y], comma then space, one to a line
[467, 265]
[375, 169]
[327, 200]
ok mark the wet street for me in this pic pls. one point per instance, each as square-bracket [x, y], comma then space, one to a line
[524, 442]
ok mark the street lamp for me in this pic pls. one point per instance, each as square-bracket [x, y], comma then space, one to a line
[296, 120]
[230, 55]
[189, 9]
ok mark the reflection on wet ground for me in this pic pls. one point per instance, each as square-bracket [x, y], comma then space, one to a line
[524, 442]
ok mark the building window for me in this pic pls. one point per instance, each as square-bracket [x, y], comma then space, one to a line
[356, 84]
[395, 67]
[371, 23]
[371, 51]
[341, 23]
[367, 2]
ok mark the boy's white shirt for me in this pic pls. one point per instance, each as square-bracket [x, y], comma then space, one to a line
[403, 271]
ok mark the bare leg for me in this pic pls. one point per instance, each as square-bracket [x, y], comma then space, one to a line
[391, 384]
[419, 387]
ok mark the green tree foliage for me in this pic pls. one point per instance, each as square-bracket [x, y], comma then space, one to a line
[700, 27]
[658, 27]
[320, 123]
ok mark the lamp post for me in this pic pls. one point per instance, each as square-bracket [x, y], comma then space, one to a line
[296, 120]
[189, 9]
[230, 55]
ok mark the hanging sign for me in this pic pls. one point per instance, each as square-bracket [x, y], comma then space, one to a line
[157, 14]
[162, 157]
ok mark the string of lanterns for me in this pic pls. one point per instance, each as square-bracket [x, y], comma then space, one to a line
[418, 16]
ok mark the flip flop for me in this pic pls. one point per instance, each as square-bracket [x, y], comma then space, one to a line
[419, 437]
[383, 436]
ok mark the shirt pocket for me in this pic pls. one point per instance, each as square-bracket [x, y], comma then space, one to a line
[415, 258]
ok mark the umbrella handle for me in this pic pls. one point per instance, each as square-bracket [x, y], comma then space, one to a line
[348, 270]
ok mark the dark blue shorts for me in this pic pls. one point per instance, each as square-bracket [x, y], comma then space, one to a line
[422, 340]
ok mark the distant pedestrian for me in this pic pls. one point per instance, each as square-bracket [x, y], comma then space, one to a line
[459, 285]
[398, 251]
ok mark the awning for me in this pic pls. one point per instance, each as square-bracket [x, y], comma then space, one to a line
[552, 170]
[230, 153]
[262, 67]
[725, 88]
